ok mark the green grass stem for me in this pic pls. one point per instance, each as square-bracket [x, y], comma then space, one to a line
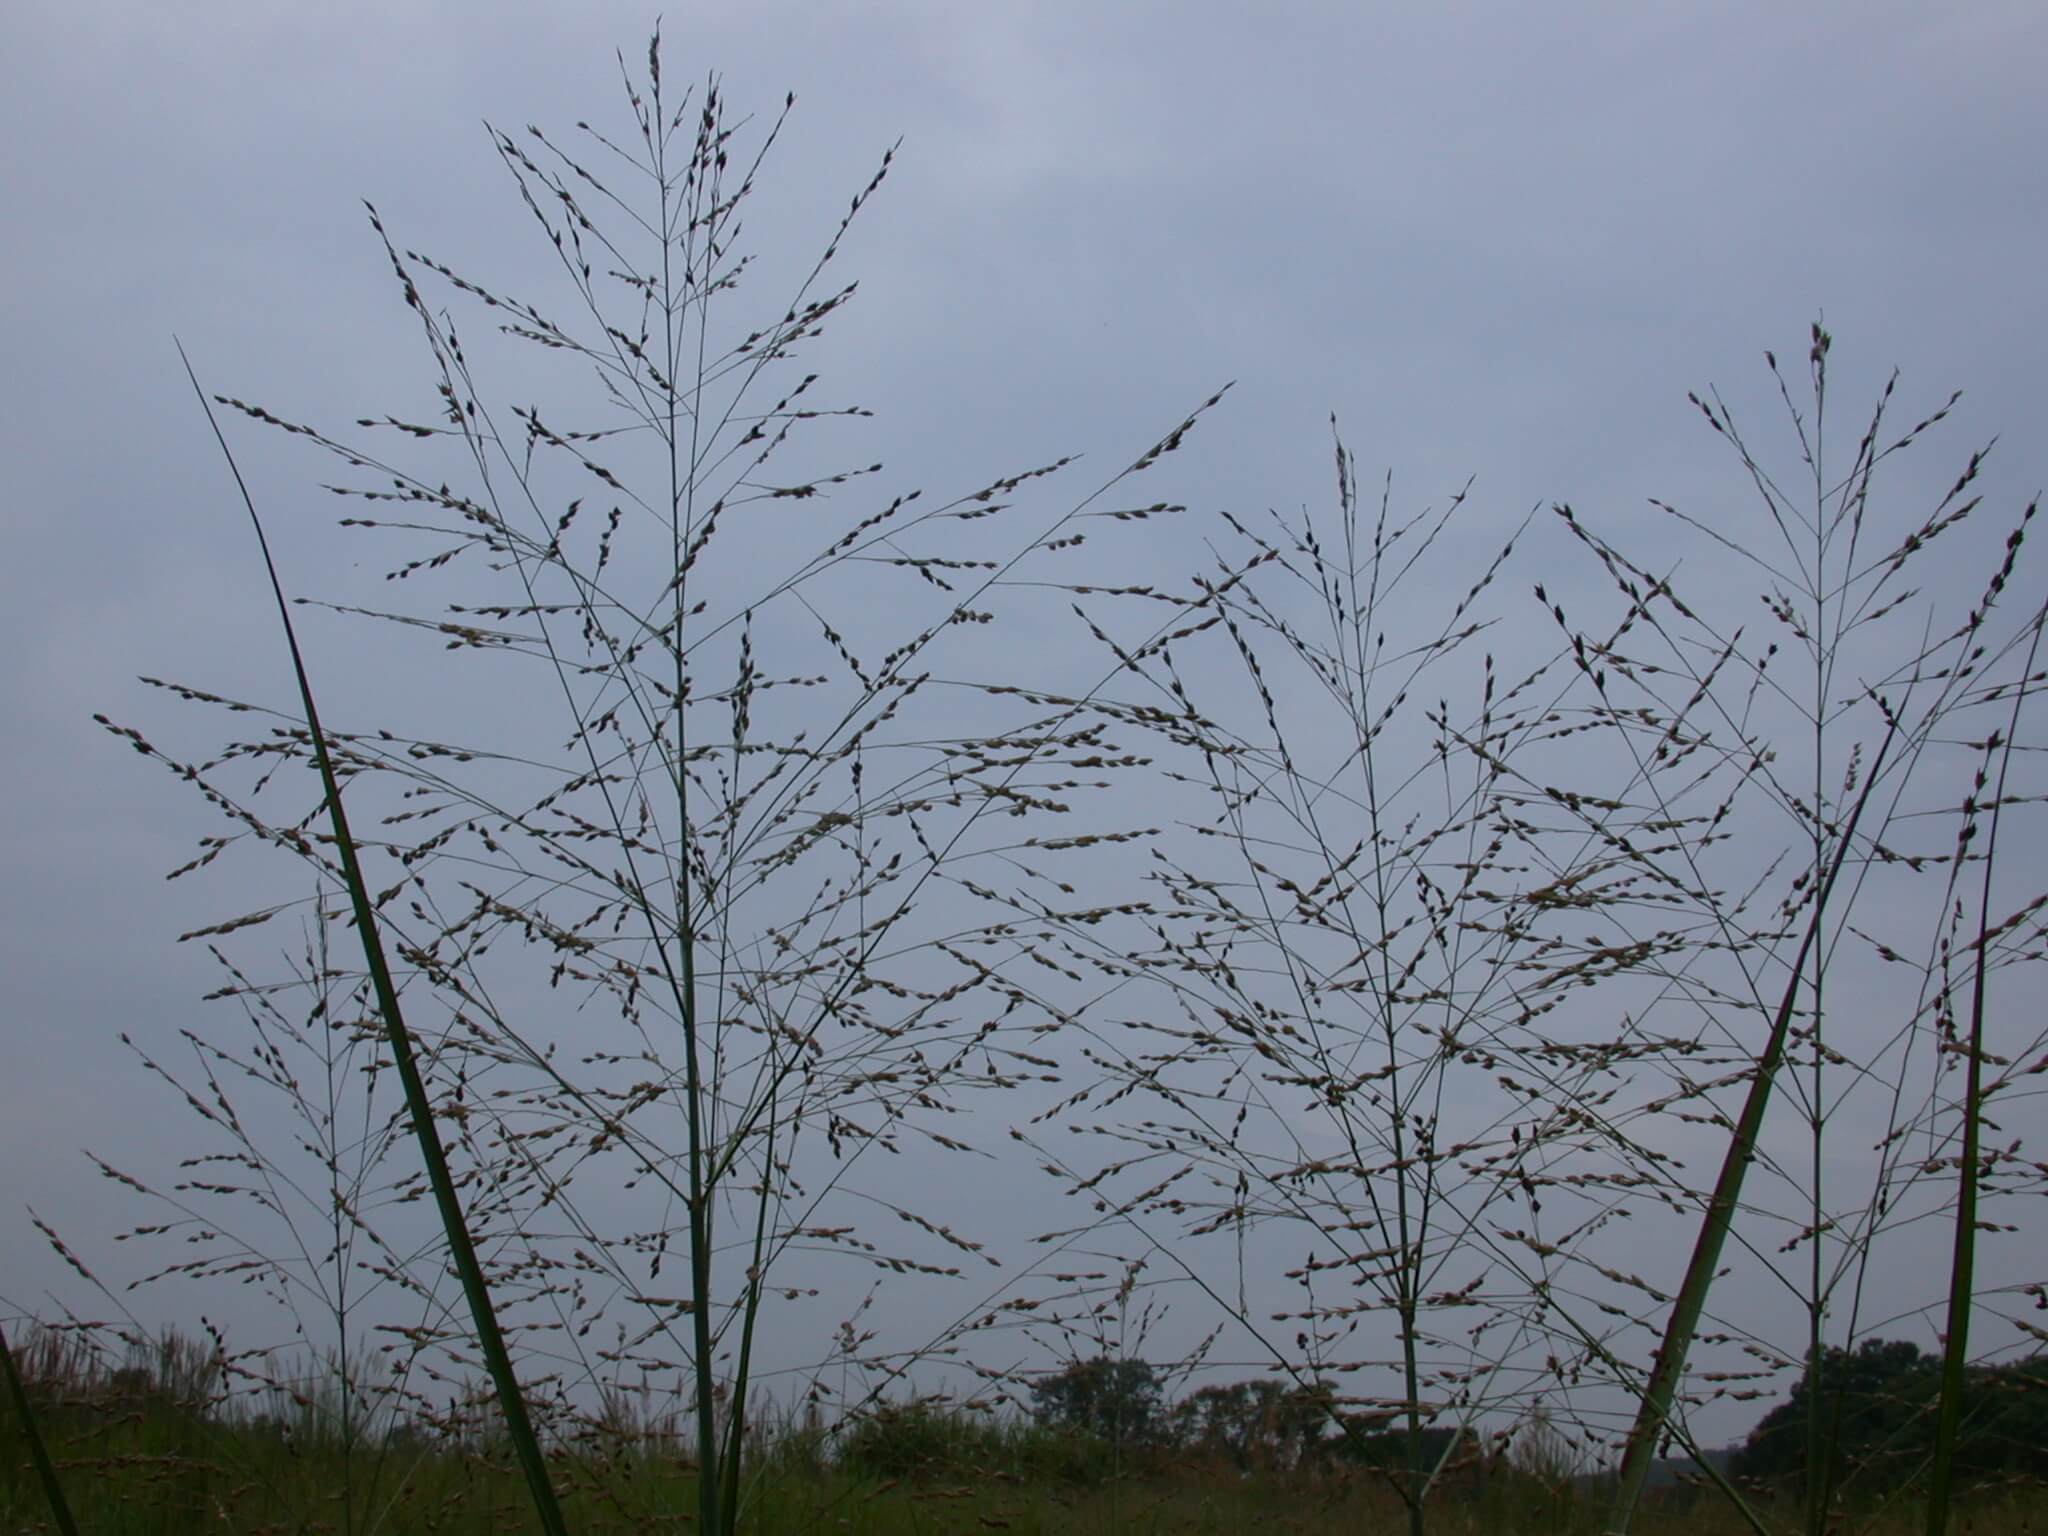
[518, 1426]
[1653, 1412]
[46, 1472]
[1963, 1262]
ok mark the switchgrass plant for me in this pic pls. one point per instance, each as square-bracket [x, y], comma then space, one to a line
[719, 857]
[302, 1200]
[1516, 931]
[1852, 932]
[1364, 953]
[1482, 964]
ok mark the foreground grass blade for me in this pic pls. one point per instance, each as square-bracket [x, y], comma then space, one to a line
[1963, 1263]
[1654, 1411]
[46, 1472]
[1955, 1353]
[491, 1341]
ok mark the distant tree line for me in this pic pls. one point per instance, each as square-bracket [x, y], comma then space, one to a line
[1876, 1418]
[1265, 1424]
[1877, 1412]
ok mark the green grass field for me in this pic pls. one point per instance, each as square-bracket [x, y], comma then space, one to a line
[138, 1452]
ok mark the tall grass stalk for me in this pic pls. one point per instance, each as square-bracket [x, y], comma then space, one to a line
[1836, 578]
[741, 885]
[1371, 1054]
[1962, 1286]
[483, 1314]
[46, 1471]
[1455, 1014]
[1654, 1417]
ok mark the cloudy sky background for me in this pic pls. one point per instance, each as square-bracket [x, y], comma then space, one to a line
[1497, 243]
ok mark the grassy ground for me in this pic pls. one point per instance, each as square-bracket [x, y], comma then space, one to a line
[255, 1488]
[137, 1455]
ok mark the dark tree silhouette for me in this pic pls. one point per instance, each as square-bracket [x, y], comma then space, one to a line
[1876, 1406]
[1117, 1400]
[1264, 1425]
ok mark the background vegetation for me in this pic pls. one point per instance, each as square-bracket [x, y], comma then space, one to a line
[149, 1444]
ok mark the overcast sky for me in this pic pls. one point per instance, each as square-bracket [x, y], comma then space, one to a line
[1498, 242]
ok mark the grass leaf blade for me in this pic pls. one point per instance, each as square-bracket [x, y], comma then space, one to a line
[489, 1338]
[46, 1471]
[1654, 1409]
